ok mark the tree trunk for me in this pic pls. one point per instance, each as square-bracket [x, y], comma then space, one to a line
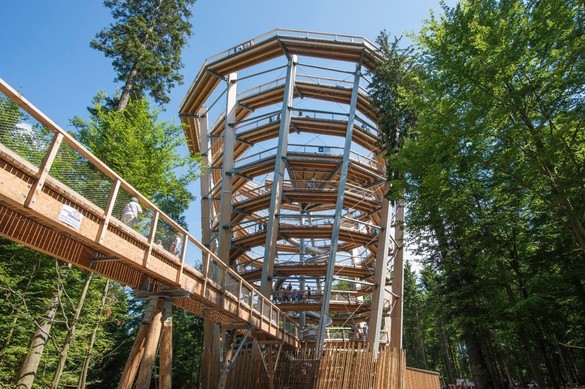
[70, 333]
[128, 86]
[445, 349]
[476, 357]
[84, 370]
[27, 372]
[421, 342]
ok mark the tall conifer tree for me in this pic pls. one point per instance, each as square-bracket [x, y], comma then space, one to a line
[145, 44]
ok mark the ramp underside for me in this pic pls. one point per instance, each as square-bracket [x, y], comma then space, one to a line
[108, 247]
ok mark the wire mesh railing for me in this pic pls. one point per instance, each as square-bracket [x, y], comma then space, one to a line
[30, 135]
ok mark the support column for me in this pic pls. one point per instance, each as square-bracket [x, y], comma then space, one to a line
[166, 348]
[205, 180]
[152, 338]
[207, 213]
[338, 210]
[379, 293]
[278, 180]
[229, 140]
[398, 279]
[142, 342]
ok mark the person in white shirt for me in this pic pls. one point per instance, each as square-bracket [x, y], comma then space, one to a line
[131, 212]
[177, 245]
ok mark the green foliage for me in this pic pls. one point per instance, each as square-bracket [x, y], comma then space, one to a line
[28, 280]
[145, 44]
[491, 169]
[187, 348]
[145, 153]
[391, 80]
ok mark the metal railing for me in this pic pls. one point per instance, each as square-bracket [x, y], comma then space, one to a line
[288, 33]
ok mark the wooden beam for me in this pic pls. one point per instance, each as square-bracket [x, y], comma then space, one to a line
[136, 354]
[166, 348]
[150, 347]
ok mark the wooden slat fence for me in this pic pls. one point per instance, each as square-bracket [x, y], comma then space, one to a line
[341, 366]
[418, 379]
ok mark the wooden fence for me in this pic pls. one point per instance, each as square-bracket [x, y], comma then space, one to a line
[418, 379]
[342, 366]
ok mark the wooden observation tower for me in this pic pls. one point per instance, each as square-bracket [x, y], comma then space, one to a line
[293, 196]
[299, 271]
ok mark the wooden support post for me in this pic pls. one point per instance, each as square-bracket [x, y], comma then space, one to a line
[208, 356]
[398, 279]
[137, 352]
[152, 338]
[166, 349]
[270, 368]
[43, 172]
[143, 352]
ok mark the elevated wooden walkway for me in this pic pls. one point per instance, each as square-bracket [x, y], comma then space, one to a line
[47, 215]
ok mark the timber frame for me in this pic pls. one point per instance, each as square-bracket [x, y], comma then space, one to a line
[294, 197]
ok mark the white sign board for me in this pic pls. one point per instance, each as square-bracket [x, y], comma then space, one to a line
[70, 216]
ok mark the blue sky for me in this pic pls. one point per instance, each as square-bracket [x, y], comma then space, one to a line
[45, 53]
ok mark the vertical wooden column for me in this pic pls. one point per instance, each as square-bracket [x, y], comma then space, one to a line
[205, 179]
[152, 338]
[206, 220]
[143, 345]
[166, 348]
[153, 311]
[379, 293]
[229, 140]
[338, 211]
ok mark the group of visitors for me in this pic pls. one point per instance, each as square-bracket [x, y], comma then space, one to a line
[289, 294]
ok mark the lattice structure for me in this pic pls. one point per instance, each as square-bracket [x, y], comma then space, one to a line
[293, 199]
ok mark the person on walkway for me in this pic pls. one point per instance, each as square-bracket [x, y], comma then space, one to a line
[131, 212]
[177, 245]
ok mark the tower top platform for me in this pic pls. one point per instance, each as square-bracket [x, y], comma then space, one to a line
[263, 48]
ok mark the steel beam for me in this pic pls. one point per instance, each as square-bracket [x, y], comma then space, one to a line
[277, 182]
[338, 210]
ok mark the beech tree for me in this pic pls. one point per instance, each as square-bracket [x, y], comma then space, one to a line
[145, 44]
[491, 170]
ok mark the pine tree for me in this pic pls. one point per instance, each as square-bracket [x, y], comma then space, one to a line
[145, 43]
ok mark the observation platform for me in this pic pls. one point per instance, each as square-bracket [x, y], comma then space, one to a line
[296, 170]
[277, 43]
